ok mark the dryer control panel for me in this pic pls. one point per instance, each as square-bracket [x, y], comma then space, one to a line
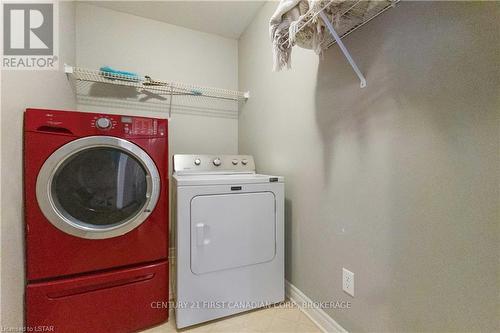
[84, 124]
[213, 163]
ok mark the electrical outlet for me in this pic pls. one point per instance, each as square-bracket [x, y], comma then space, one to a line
[348, 281]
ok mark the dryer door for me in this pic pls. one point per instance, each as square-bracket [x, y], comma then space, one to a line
[98, 187]
[232, 230]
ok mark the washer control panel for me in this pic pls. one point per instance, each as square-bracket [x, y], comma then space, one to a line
[213, 163]
[129, 125]
[86, 124]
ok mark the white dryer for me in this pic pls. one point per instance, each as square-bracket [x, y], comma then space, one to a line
[228, 223]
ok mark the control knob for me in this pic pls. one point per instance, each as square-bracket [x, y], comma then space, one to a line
[197, 161]
[103, 123]
[235, 162]
[217, 162]
[244, 162]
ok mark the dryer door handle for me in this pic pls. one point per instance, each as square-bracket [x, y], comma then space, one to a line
[201, 233]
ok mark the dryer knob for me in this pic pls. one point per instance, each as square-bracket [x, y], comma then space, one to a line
[217, 162]
[197, 161]
[235, 162]
[244, 162]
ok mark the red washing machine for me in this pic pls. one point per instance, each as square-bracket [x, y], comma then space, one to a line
[96, 212]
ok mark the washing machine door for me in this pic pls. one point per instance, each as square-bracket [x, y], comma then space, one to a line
[98, 187]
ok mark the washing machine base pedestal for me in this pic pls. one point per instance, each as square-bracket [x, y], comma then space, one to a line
[122, 300]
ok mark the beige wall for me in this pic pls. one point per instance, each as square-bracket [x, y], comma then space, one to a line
[22, 89]
[167, 52]
[397, 182]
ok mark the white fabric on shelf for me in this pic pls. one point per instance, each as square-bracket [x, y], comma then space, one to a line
[283, 23]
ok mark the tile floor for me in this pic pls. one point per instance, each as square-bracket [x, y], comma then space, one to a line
[279, 319]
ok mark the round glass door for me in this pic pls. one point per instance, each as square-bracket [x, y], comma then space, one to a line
[98, 187]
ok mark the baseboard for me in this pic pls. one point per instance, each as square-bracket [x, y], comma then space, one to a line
[318, 316]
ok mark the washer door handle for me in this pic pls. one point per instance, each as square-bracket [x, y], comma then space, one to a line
[201, 231]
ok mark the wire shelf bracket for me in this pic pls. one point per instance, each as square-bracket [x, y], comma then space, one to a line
[343, 48]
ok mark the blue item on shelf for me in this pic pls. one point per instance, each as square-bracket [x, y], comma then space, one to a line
[129, 76]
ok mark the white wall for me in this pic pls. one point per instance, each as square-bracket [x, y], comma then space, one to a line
[397, 182]
[20, 90]
[167, 52]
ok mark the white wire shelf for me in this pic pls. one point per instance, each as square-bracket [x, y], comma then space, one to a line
[345, 16]
[95, 87]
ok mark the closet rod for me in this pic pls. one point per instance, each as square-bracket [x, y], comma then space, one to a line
[343, 48]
